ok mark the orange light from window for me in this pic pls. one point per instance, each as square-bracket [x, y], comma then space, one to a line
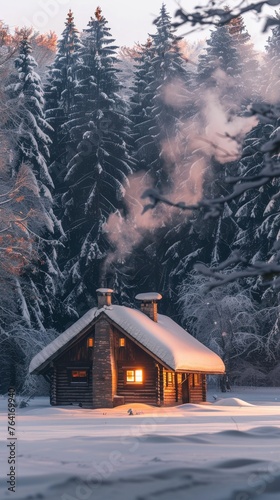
[79, 373]
[122, 342]
[138, 376]
[90, 342]
[130, 376]
[134, 376]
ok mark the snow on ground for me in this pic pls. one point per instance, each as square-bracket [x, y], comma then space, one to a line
[226, 449]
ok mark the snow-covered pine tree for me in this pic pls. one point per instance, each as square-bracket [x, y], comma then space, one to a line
[97, 173]
[258, 211]
[220, 73]
[228, 321]
[250, 67]
[161, 103]
[59, 95]
[200, 239]
[31, 142]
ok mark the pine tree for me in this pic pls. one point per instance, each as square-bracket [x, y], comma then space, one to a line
[258, 213]
[223, 53]
[31, 138]
[97, 173]
[59, 93]
[162, 98]
[162, 104]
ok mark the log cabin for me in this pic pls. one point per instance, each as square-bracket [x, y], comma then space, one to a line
[115, 355]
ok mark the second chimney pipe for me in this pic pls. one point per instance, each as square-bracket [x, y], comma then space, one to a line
[149, 304]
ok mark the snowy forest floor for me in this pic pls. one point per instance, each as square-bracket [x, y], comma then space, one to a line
[223, 450]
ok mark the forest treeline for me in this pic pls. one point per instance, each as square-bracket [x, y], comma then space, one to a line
[85, 129]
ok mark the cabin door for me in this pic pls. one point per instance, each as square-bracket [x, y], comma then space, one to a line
[185, 390]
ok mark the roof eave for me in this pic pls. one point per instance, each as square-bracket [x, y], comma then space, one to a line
[41, 368]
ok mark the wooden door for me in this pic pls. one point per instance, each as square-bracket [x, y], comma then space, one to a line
[185, 390]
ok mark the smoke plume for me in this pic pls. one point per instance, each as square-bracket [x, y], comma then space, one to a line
[216, 130]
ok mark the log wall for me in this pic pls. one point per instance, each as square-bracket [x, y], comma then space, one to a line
[63, 390]
[133, 357]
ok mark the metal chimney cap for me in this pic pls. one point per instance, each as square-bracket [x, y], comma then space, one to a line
[148, 297]
[104, 291]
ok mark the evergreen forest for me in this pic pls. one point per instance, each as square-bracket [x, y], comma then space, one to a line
[87, 127]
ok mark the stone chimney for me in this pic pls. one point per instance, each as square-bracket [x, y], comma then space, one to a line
[104, 297]
[149, 303]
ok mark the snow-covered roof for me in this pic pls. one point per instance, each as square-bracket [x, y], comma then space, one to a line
[105, 290]
[166, 340]
[149, 296]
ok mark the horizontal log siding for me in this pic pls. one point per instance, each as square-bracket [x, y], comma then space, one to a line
[133, 357]
[53, 400]
[67, 393]
[196, 395]
[169, 391]
[79, 352]
[204, 387]
[196, 392]
[179, 387]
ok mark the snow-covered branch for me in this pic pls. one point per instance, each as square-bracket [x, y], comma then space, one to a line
[213, 14]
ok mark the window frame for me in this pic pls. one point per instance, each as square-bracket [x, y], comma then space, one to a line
[169, 379]
[134, 370]
[196, 382]
[72, 382]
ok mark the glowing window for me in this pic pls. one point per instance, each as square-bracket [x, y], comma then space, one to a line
[90, 342]
[134, 376]
[138, 376]
[79, 376]
[122, 342]
[169, 381]
[196, 379]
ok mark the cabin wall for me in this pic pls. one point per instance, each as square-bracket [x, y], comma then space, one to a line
[63, 390]
[53, 399]
[106, 366]
[132, 357]
[75, 393]
[172, 388]
[197, 388]
[169, 388]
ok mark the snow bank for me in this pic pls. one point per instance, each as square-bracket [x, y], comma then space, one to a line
[73, 453]
[231, 402]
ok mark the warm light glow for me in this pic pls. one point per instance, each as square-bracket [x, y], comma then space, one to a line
[79, 377]
[122, 342]
[169, 379]
[79, 373]
[134, 376]
[130, 375]
[138, 376]
[90, 342]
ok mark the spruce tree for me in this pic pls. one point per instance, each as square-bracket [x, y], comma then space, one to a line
[59, 93]
[258, 213]
[97, 173]
[162, 103]
[31, 138]
[158, 115]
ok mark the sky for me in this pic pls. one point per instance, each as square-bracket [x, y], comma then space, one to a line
[130, 20]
